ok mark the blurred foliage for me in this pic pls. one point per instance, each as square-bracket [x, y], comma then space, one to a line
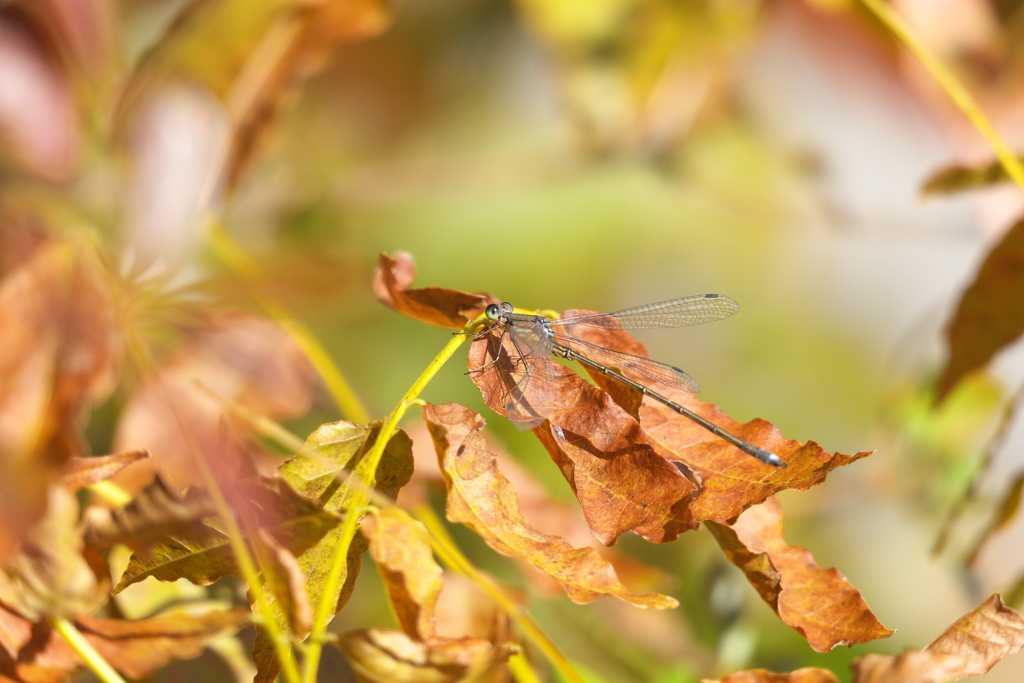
[193, 198]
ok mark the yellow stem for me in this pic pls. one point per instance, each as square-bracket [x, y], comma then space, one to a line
[449, 554]
[364, 480]
[93, 659]
[341, 391]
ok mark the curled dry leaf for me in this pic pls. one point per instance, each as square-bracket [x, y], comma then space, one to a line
[155, 512]
[139, 647]
[433, 305]
[820, 604]
[482, 498]
[400, 546]
[395, 657]
[731, 481]
[60, 349]
[971, 646]
[239, 358]
[658, 476]
[990, 314]
[82, 472]
[806, 675]
[34, 653]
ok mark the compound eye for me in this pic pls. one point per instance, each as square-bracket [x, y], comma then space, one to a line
[492, 312]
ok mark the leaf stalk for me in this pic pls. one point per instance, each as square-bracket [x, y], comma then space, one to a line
[362, 481]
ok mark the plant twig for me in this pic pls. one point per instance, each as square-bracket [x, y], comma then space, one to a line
[360, 483]
[93, 659]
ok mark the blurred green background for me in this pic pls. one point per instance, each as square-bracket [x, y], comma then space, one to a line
[592, 155]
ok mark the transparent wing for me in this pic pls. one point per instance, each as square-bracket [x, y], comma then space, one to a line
[662, 373]
[691, 310]
[521, 375]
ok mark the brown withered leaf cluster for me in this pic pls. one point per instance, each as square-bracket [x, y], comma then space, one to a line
[639, 466]
[58, 575]
[289, 520]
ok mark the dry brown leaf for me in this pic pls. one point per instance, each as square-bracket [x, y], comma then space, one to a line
[139, 647]
[240, 358]
[401, 548]
[82, 472]
[156, 511]
[482, 498]
[434, 305]
[34, 653]
[820, 604]
[806, 675]
[729, 480]
[394, 657]
[989, 316]
[541, 510]
[971, 646]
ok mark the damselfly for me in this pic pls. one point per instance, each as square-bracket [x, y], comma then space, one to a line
[534, 339]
